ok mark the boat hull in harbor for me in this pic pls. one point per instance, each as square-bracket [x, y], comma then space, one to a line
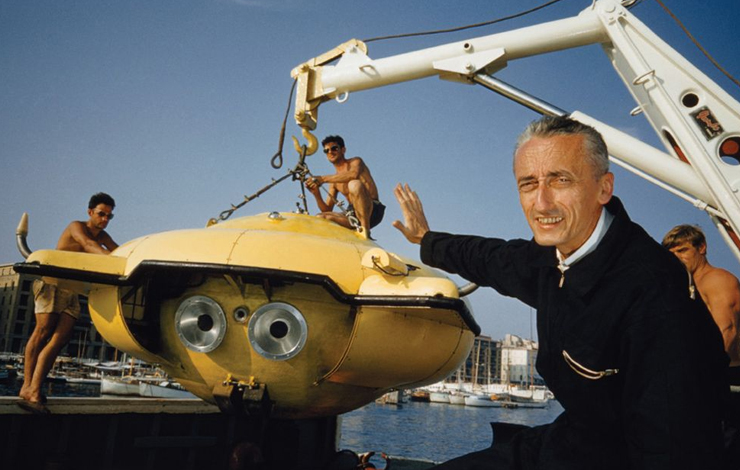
[124, 386]
[439, 397]
[153, 390]
[481, 401]
[394, 397]
[457, 399]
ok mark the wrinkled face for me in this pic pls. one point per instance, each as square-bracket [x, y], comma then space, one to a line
[100, 215]
[334, 151]
[559, 192]
[690, 256]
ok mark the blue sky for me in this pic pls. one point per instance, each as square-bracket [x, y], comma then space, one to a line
[175, 107]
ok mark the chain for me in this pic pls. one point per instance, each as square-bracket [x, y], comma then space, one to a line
[298, 173]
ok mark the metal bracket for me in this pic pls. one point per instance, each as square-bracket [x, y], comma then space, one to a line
[238, 397]
[467, 65]
[310, 94]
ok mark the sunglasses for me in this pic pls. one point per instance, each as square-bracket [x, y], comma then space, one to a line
[333, 148]
[105, 214]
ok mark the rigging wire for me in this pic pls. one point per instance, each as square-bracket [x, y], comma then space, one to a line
[699, 46]
[462, 28]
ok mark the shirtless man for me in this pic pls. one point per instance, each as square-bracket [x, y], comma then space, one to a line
[354, 181]
[719, 289]
[57, 309]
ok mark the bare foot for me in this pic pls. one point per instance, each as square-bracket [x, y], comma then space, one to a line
[28, 395]
[33, 407]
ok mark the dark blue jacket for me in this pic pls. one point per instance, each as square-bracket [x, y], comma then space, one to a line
[637, 365]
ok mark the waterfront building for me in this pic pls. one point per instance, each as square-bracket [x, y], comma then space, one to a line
[17, 321]
[508, 361]
[517, 358]
[481, 365]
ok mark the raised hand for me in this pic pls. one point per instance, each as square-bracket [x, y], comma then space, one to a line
[413, 213]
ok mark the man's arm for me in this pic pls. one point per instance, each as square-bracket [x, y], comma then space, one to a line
[79, 234]
[356, 167]
[721, 292]
[485, 261]
[107, 241]
[324, 205]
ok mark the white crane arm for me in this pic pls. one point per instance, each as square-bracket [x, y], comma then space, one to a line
[697, 121]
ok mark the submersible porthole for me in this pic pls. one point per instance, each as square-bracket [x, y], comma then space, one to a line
[241, 314]
[277, 331]
[200, 323]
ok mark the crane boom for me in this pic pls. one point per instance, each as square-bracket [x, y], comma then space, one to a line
[695, 119]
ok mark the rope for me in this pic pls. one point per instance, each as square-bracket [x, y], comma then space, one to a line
[462, 28]
[279, 154]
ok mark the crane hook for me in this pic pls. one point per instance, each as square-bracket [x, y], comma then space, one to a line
[313, 142]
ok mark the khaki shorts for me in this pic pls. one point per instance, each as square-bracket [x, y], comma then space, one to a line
[52, 299]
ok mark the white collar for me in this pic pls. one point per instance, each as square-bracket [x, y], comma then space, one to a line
[602, 226]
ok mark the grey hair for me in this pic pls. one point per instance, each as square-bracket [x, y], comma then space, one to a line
[548, 126]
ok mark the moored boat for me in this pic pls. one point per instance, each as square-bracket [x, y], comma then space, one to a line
[394, 397]
[163, 390]
[457, 398]
[481, 401]
[121, 386]
[439, 397]
[419, 395]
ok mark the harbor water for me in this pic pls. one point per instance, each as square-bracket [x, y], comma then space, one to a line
[431, 431]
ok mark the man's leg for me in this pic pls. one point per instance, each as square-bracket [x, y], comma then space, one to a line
[362, 202]
[336, 217]
[46, 323]
[48, 355]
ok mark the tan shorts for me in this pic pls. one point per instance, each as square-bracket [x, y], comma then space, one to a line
[52, 299]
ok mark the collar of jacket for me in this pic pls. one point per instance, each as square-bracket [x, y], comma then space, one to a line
[587, 272]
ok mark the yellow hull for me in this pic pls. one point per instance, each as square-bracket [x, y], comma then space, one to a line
[321, 318]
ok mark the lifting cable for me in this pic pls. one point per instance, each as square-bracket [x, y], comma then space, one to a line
[699, 46]
[462, 28]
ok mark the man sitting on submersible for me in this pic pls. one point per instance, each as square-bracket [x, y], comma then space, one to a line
[354, 181]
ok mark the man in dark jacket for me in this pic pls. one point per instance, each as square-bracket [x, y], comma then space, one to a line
[637, 365]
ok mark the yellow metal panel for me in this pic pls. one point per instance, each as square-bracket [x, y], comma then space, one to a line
[106, 315]
[293, 383]
[103, 264]
[303, 253]
[408, 286]
[392, 349]
[197, 245]
[351, 354]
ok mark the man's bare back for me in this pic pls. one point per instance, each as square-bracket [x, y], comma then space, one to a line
[69, 240]
[720, 291]
[90, 236]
